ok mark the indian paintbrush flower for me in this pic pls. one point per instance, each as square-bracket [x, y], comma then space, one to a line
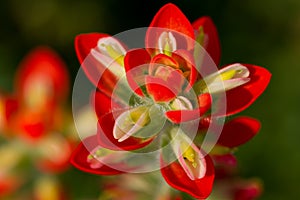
[167, 96]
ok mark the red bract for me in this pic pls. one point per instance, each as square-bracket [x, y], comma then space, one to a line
[198, 188]
[170, 17]
[238, 131]
[41, 86]
[160, 93]
[207, 36]
[242, 97]
[80, 156]
[94, 45]
[42, 78]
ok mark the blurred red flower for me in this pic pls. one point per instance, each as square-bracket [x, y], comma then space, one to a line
[33, 117]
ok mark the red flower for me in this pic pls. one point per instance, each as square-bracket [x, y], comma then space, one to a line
[34, 112]
[170, 90]
[32, 125]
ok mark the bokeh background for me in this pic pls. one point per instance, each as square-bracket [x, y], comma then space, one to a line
[265, 33]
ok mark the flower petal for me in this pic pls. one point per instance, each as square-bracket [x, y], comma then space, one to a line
[125, 126]
[167, 69]
[186, 60]
[84, 43]
[170, 18]
[227, 78]
[42, 78]
[81, 153]
[104, 104]
[176, 177]
[179, 116]
[160, 90]
[136, 64]
[101, 57]
[162, 60]
[238, 99]
[210, 40]
[188, 154]
[238, 131]
[141, 122]
[106, 138]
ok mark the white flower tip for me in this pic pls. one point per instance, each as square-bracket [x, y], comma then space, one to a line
[167, 43]
[113, 43]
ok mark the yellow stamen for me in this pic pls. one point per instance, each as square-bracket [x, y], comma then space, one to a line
[201, 36]
[228, 75]
[167, 48]
[200, 86]
[136, 114]
[117, 56]
[189, 154]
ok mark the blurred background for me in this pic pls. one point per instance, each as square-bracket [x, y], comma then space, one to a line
[264, 33]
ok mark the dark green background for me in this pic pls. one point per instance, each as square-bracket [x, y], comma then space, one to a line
[265, 33]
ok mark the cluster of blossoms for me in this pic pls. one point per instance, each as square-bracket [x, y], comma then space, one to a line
[33, 129]
[165, 106]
